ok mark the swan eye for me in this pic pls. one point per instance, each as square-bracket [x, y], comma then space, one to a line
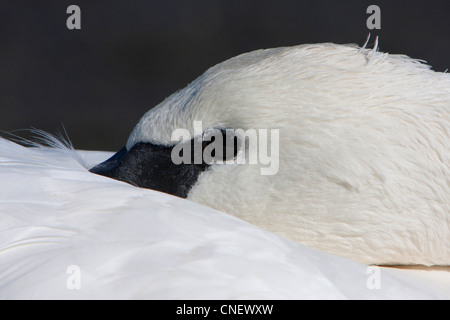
[219, 145]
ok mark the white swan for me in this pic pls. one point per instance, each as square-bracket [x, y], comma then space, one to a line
[364, 150]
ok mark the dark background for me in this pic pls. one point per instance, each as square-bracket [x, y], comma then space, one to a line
[130, 55]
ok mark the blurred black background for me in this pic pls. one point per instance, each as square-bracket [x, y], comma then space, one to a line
[130, 55]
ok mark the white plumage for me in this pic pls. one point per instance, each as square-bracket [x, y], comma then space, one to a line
[133, 243]
[364, 151]
[363, 173]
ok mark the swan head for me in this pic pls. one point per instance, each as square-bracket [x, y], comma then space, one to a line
[312, 142]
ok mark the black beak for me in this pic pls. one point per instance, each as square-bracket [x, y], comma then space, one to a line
[150, 166]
